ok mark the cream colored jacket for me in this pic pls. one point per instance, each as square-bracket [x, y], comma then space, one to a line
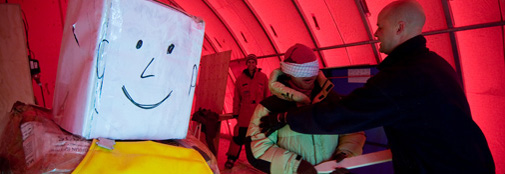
[282, 147]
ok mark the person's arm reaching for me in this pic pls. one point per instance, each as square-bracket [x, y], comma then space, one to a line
[364, 108]
[264, 154]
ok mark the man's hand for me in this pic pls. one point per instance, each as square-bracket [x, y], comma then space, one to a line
[272, 122]
[339, 156]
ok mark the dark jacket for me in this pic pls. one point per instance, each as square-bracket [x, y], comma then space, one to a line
[420, 101]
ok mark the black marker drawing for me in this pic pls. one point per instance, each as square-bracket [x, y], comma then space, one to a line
[142, 76]
[75, 36]
[99, 95]
[192, 83]
[144, 106]
[139, 44]
[98, 59]
[99, 67]
[170, 48]
[100, 64]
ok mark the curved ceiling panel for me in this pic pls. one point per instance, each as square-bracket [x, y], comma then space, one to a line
[348, 21]
[318, 22]
[207, 48]
[435, 17]
[244, 26]
[502, 10]
[336, 57]
[217, 33]
[283, 23]
[362, 55]
[474, 64]
[350, 17]
[337, 22]
[475, 12]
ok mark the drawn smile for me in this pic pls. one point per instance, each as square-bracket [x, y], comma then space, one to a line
[144, 106]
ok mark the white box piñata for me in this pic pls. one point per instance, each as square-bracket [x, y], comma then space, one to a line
[127, 69]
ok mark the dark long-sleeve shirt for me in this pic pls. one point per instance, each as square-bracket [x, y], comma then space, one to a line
[419, 100]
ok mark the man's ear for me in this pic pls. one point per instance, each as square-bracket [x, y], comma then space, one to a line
[401, 27]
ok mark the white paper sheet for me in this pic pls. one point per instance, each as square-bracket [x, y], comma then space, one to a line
[356, 162]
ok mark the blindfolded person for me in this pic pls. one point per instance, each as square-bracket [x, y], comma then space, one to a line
[298, 82]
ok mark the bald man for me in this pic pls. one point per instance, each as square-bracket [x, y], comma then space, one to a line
[416, 96]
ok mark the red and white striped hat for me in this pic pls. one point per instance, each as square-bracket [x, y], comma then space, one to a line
[300, 61]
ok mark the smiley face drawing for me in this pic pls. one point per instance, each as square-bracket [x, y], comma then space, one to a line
[146, 55]
[144, 75]
[145, 70]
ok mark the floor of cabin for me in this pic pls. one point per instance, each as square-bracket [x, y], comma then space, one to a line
[241, 165]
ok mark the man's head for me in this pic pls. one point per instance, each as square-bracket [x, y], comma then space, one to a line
[398, 22]
[300, 63]
[251, 62]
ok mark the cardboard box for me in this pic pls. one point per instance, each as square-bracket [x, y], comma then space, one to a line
[127, 69]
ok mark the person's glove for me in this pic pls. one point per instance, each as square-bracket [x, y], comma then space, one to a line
[272, 122]
[306, 168]
[339, 156]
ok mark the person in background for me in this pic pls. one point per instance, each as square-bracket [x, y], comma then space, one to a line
[298, 82]
[416, 96]
[250, 89]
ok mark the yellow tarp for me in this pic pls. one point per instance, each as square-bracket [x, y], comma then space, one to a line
[142, 157]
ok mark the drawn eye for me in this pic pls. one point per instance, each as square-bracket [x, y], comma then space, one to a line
[139, 44]
[170, 48]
